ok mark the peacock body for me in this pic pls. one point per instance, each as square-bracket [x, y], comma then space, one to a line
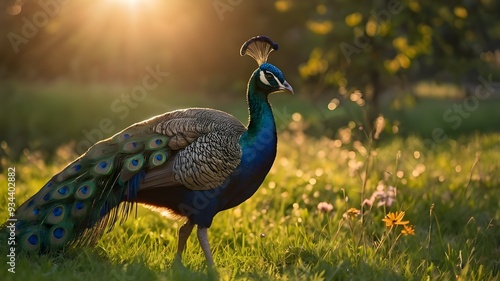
[190, 164]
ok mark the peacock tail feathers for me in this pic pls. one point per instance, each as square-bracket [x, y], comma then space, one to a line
[77, 205]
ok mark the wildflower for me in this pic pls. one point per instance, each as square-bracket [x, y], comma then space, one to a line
[384, 195]
[390, 197]
[408, 230]
[325, 207]
[392, 219]
[352, 213]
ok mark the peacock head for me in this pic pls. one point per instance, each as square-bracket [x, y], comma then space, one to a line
[268, 77]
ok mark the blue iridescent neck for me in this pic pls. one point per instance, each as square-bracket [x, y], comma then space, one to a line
[261, 120]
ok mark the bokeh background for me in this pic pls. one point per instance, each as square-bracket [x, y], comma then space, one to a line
[396, 109]
[71, 72]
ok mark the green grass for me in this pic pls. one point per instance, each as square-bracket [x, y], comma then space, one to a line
[450, 194]
[448, 190]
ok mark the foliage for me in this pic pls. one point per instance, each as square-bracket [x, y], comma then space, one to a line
[378, 45]
[339, 44]
[449, 194]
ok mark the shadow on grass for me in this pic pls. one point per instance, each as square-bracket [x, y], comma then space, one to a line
[93, 264]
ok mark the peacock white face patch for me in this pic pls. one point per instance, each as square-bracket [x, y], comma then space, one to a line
[266, 75]
[263, 78]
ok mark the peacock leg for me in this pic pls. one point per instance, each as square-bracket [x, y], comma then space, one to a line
[184, 233]
[205, 246]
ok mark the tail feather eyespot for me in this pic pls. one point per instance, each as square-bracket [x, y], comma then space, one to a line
[85, 190]
[79, 209]
[32, 238]
[131, 147]
[56, 215]
[28, 214]
[63, 192]
[123, 137]
[103, 167]
[158, 158]
[157, 143]
[133, 163]
[69, 172]
[60, 234]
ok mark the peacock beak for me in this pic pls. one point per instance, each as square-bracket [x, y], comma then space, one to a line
[285, 87]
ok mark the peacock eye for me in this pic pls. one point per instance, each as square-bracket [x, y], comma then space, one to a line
[269, 77]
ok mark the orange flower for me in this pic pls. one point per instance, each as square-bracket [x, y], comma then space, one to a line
[408, 230]
[392, 219]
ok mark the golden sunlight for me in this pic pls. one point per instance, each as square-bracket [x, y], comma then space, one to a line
[130, 3]
[115, 40]
[133, 6]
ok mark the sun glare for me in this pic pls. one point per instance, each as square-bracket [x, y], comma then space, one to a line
[131, 4]
[115, 40]
[127, 2]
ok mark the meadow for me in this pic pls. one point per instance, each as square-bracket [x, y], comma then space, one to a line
[318, 215]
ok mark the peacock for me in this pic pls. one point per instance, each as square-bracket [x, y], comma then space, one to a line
[187, 164]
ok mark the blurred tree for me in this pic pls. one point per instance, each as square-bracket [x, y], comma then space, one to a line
[369, 47]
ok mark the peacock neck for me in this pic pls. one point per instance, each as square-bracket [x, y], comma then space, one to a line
[258, 145]
[261, 120]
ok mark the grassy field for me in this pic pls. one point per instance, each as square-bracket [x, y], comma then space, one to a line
[307, 222]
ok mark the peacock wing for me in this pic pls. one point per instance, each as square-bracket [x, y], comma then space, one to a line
[208, 150]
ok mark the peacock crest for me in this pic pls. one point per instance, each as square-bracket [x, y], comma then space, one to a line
[259, 48]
